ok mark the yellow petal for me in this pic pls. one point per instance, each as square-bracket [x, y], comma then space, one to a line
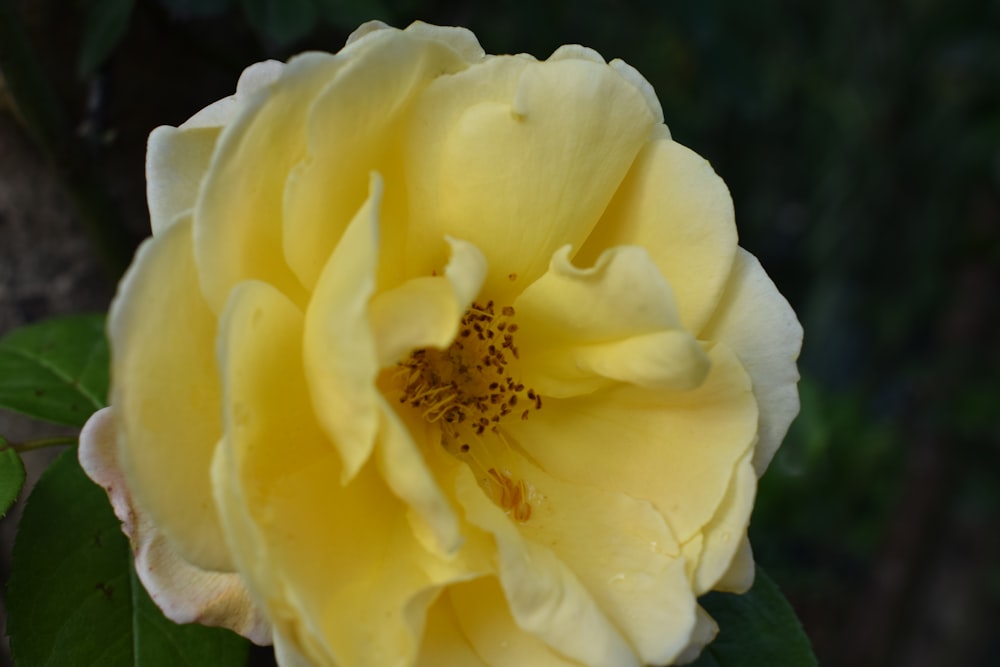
[705, 630]
[337, 565]
[677, 449]
[427, 311]
[406, 472]
[516, 144]
[622, 551]
[758, 324]
[444, 643]
[461, 40]
[238, 231]
[673, 204]
[165, 390]
[581, 329]
[724, 534]
[176, 162]
[481, 611]
[362, 122]
[544, 596]
[740, 575]
[339, 349]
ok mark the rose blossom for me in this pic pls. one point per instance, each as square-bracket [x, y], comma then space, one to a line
[441, 358]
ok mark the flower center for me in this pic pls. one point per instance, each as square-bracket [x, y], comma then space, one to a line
[469, 389]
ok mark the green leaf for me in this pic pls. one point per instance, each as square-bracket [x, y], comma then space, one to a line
[281, 21]
[756, 629]
[74, 599]
[104, 26]
[11, 476]
[56, 370]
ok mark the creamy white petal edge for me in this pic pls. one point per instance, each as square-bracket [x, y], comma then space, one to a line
[185, 593]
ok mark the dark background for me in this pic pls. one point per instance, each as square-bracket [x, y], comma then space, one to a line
[861, 143]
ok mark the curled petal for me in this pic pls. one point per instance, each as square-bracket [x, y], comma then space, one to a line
[673, 204]
[185, 593]
[426, 311]
[582, 329]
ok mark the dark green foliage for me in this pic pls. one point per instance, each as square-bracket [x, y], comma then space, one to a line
[104, 25]
[757, 629]
[56, 370]
[11, 476]
[73, 598]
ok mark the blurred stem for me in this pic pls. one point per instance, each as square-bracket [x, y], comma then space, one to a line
[21, 447]
[44, 119]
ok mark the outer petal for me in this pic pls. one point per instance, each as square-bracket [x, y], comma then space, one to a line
[178, 158]
[673, 204]
[740, 575]
[165, 391]
[704, 632]
[545, 598]
[339, 350]
[582, 329]
[461, 40]
[238, 230]
[758, 324]
[676, 449]
[185, 593]
[516, 144]
[361, 121]
[176, 162]
[337, 566]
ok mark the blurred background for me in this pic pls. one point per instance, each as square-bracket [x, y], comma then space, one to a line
[861, 143]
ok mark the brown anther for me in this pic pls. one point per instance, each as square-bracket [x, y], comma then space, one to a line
[512, 277]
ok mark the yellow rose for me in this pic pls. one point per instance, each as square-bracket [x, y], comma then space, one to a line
[439, 358]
